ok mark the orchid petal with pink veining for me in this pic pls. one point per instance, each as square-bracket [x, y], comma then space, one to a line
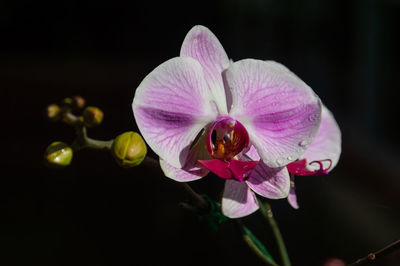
[192, 169]
[171, 106]
[201, 44]
[273, 183]
[238, 200]
[278, 109]
[326, 144]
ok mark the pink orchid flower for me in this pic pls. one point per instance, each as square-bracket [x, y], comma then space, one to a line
[201, 112]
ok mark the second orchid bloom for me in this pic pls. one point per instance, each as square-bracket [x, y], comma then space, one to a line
[250, 122]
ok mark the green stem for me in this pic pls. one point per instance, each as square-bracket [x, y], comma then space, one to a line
[70, 118]
[82, 140]
[255, 245]
[267, 213]
[87, 142]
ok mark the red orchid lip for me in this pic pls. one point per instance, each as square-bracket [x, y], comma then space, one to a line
[231, 169]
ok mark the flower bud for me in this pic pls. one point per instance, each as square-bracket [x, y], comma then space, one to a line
[75, 102]
[53, 112]
[129, 149]
[78, 102]
[67, 101]
[58, 154]
[92, 116]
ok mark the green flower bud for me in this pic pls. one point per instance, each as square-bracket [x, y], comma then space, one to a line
[58, 154]
[53, 112]
[129, 149]
[92, 116]
[67, 101]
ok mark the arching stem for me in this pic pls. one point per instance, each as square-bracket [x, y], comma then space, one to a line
[268, 215]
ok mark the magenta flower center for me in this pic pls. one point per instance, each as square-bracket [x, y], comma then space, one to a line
[226, 139]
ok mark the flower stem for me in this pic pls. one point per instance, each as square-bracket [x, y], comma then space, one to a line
[82, 140]
[375, 255]
[267, 213]
[255, 245]
[93, 143]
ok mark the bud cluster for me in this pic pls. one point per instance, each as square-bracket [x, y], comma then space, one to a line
[128, 149]
[91, 116]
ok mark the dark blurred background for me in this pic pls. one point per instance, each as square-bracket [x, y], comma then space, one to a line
[95, 213]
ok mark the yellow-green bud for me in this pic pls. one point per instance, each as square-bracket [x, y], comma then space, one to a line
[92, 116]
[67, 101]
[129, 149]
[58, 154]
[53, 112]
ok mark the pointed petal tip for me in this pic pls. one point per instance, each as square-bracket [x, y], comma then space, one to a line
[202, 45]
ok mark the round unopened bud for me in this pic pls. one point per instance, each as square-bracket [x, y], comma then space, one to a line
[53, 112]
[78, 102]
[58, 154]
[92, 116]
[129, 149]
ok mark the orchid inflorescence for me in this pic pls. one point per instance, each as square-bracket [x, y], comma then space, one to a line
[252, 122]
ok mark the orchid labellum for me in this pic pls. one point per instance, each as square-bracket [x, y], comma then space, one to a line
[245, 121]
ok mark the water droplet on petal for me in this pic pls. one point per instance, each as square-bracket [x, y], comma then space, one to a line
[303, 143]
[289, 158]
[279, 161]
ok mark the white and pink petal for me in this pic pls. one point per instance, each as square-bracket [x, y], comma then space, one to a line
[326, 144]
[281, 113]
[192, 169]
[186, 174]
[252, 154]
[238, 200]
[201, 44]
[272, 183]
[292, 197]
[171, 106]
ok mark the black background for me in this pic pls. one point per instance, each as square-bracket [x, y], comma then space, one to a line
[95, 213]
